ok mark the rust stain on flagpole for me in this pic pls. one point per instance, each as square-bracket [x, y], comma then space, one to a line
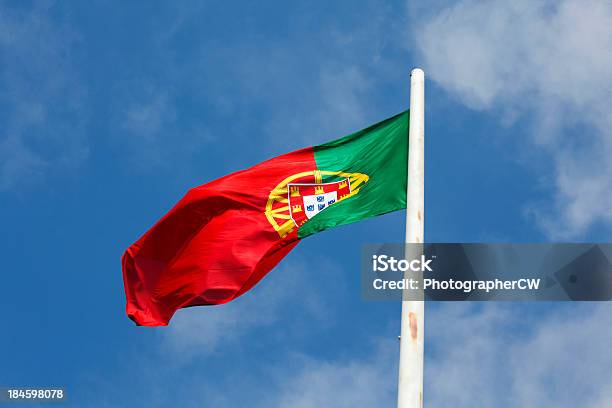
[413, 326]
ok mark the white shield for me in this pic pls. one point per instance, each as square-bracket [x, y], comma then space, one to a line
[314, 204]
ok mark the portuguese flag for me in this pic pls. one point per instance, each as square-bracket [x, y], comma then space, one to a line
[222, 237]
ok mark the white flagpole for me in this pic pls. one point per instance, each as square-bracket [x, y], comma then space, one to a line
[410, 384]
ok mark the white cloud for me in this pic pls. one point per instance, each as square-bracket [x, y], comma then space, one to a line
[308, 87]
[369, 380]
[149, 127]
[296, 301]
[508, 355]
[147, 118]
[477, 355]
[541, 60]
[288, 91]
[41, 98]
[200, 331]
[335, 100]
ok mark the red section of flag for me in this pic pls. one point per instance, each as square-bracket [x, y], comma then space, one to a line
[214, 245]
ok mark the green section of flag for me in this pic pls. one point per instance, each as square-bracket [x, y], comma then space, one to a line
[381, 152]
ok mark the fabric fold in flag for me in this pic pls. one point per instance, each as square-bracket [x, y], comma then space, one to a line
[224, 236]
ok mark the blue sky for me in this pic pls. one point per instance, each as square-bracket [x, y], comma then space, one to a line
[111, 111]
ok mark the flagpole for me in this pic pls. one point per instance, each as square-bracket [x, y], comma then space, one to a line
[410, 382]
